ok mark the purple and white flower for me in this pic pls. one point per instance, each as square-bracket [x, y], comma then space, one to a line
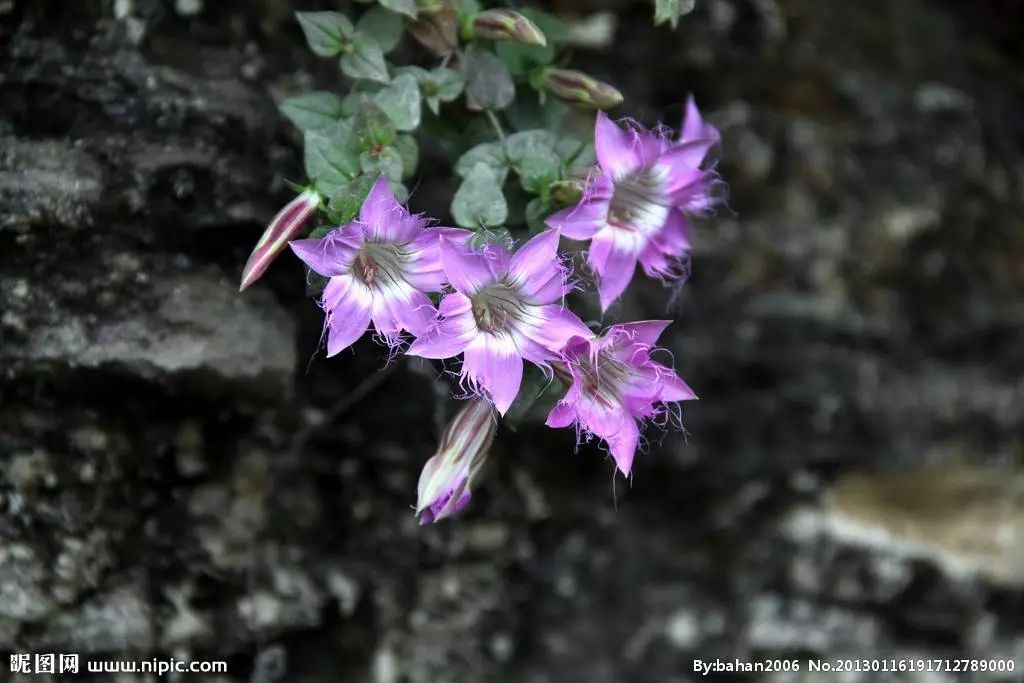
[615, 386]
[380, 267]
[635, 206]
[447, 479]
[505, 308]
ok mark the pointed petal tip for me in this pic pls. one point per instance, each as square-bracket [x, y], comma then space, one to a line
[252, 272]
[246, 280]
[606, 301]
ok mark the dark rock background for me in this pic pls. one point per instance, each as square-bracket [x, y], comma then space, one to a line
[181, 477]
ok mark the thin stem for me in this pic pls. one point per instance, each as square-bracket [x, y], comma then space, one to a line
[493, 118]
[344, 404]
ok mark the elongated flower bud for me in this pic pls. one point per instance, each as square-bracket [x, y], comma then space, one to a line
[282, 229]
[506, 24]
[448, 477]
[579, 88]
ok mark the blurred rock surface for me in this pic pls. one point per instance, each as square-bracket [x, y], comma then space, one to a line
[177, 478]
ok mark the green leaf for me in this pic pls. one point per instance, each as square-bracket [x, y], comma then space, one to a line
[320, 232]
[536, 211]
[417, 72]
[365, 59]
[383, 26]
[522, 59]
[371, 127]
[532, 153]
[331, 161]
[350, 103]
[314, 111]
[442, 85]
[439, 85]
[406, 7]
[400, 191]
[530, 143]
[479, 201]
[386, 161]
[537, 172]
[326, 32]
[670, 11]
[488, 82]
[400, 100]
[490, 154]
[407, 148]
[527, 113]
[344, 204]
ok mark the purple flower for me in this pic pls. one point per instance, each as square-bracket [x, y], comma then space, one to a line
[380, 267]
[635, 206]
[615, 386]
[448, 477]
[502, 311]
[284, 226]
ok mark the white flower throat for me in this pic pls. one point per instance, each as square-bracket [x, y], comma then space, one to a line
[638, 201]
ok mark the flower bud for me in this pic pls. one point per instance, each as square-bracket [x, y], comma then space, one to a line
[506, 24]
[579, 88]
[565, 192]
[282, 229]
[448, 477]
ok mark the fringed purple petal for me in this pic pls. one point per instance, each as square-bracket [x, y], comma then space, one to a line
[621, 433]
[469, 271]
[450, 333]
[492, 362]
[562, 415]
[332, 254]
[347, 303]
[672, 387]
[423, 268]
[617, 149]
[550, 327]
[581, 221]
[398, 306]
[694, 126]
[643, 333]
[536, 270]
[613, 256]
[681, 183]
[690, 153]
[651, 144]
[665, 255]
[384, 219]
[612, 423]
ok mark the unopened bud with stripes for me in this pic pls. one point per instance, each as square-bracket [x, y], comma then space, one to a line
[447, 478]
[579, 88]
[506, 24]
[282, 229]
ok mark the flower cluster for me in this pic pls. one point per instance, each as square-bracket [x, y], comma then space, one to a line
[497, 307]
